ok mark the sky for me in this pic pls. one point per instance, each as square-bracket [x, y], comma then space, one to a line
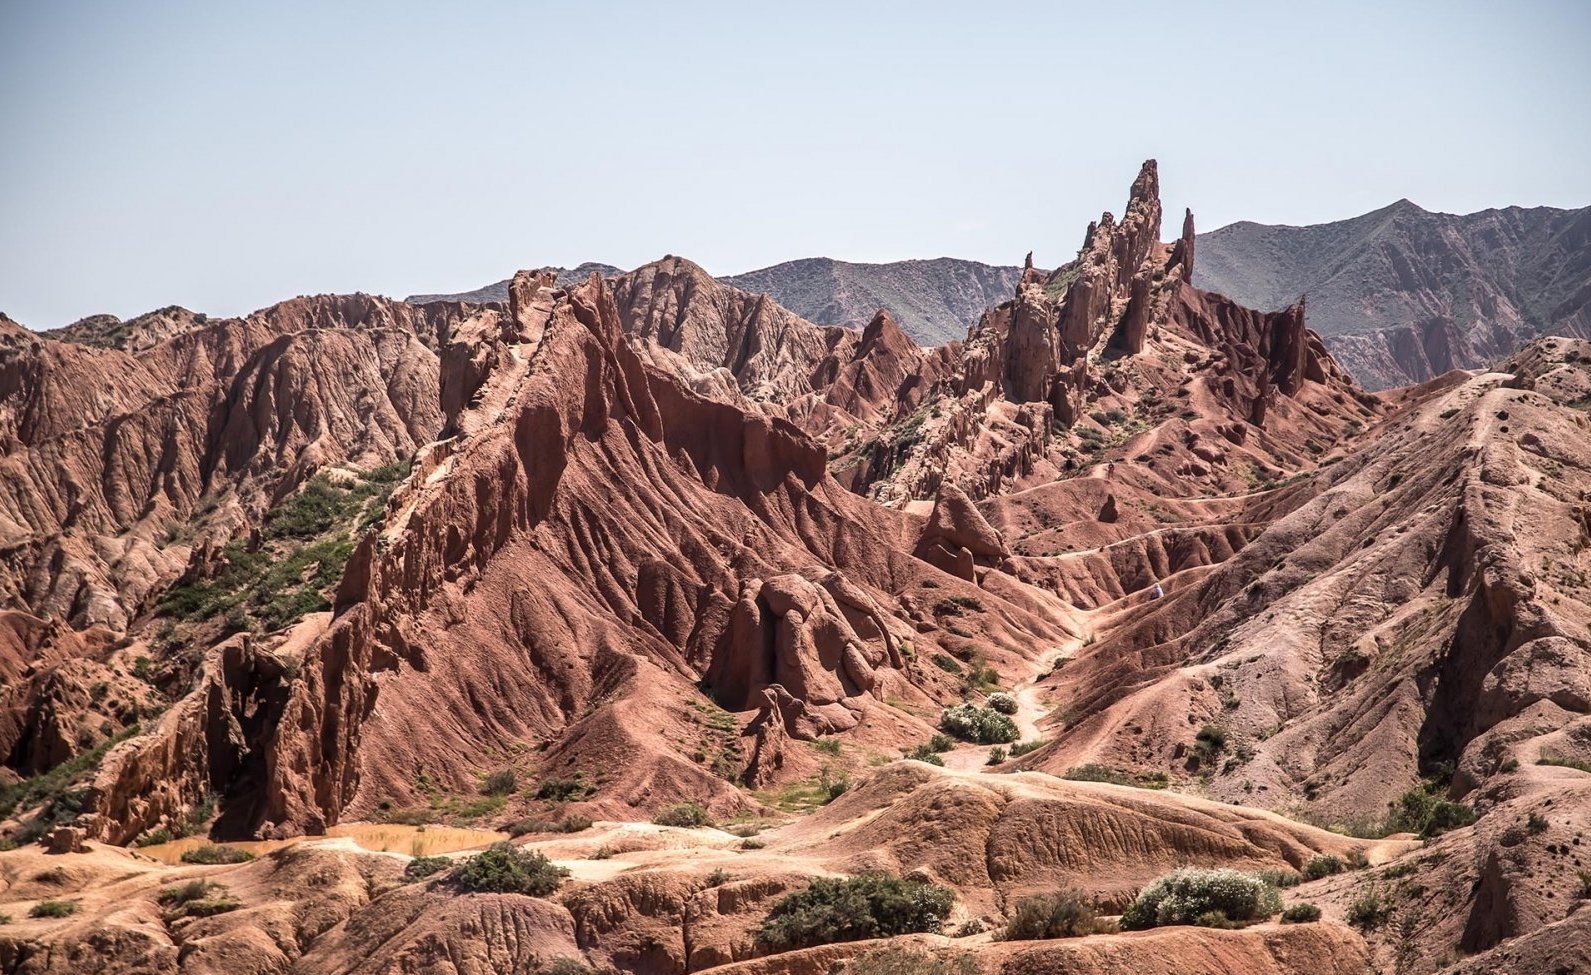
[224, 155]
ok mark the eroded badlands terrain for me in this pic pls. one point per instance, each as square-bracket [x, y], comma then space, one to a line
[716, 608]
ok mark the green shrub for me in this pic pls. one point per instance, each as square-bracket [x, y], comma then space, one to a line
[213, 853]
[421, 867]
[870, 905]
[500, 783]
[924, 753]
[1371, 909]
[53, 909]
[996, 756]
[1421, 811]
[1064, 914]
[682, 814]
[980, 677]
[984, 726]
[1023, 747]
[183, 893]
[1209, 742]
[941, 742]
[1563, 762]
[1300, 914]
[1281, 879]
[196, 898]
[946, 663]
[1002, 702]
[1186, 895]
[953, 605]
[1094, 772]
[1215, 919]
[1323, 865]
[563, 790]
[572, 823]
[507, 869]
[317, 507]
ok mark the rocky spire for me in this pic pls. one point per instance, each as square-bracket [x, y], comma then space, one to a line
[1182, 250]
[1030, 274]
[1139, 229]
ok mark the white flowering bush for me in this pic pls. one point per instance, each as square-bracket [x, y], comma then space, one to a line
[1002, 702]
[986, 726]
[1194, 895]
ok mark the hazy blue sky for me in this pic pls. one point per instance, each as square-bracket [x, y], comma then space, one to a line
[225, 155]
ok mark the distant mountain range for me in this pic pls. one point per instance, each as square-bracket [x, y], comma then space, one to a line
[498, 290]
[1402, 294]
[935, 301]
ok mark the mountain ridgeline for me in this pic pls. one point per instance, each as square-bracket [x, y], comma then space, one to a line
[1400, 295]
[1403, 294]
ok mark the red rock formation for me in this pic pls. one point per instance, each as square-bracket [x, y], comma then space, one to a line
[637, 593]
[1091, 337]
[103, 450]
[620, 569]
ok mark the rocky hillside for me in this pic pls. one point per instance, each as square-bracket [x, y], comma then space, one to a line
[935, 301]
[793, 648]
[1403, 294]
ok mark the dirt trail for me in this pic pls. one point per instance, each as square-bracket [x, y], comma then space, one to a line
[434, 840]
[1031, 707]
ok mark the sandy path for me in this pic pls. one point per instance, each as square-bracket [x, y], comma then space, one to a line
[1031, 707]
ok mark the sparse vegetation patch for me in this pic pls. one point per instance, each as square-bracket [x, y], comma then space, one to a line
[870, 905]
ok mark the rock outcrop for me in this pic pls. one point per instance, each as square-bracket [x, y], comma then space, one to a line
[638, 594]
[1090, 339]
[110, 457]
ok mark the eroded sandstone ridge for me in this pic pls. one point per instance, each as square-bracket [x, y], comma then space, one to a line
[1117, 344]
